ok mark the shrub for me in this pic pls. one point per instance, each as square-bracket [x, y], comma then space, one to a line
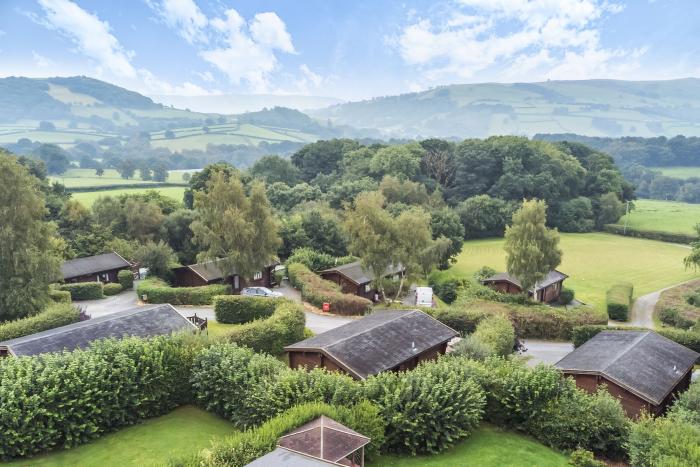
[583, 458]
[53, 317]
[445, 286]
[650, 234]
[663, 441]
[690, 339]
[496, 333]
[237, 309]
[83, 290]
[472, 348]
[112, 289]
[619, 300]
[566, 296]
[428, 409]
[59, 296]
[687, 406]
[317, 261]
[672, 317]
[157, 291]
[126, 279]
[318, 291]
[461, 320]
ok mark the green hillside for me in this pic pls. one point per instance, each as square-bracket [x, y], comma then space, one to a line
[587, 107]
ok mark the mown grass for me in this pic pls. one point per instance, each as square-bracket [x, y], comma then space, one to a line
[87, 198]
[594, 262]
[663, 216]
[182, 432]
[679, 171]
[487, 447]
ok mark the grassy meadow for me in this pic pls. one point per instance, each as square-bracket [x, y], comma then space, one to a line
[679, 172]
[594, 262]
[86, 178]
[664, 216]
[89, 197]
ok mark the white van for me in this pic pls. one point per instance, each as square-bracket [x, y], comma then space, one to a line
[424, 296]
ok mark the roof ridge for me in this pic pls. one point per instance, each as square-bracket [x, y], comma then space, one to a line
[630, 346]
[362, 331]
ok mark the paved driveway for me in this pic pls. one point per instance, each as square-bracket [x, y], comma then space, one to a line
[548, 352]
[108, 305]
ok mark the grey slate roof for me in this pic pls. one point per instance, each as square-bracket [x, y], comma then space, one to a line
[285, 457]
[357, 274]
[643, 362]
[92, 265]
[210, 270]
[379, 341]
[142, 322]
[552, 277]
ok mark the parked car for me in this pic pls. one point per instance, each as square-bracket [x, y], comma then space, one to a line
[260, 292]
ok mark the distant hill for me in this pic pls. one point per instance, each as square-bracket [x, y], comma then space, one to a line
[241, 103]
[585, 107]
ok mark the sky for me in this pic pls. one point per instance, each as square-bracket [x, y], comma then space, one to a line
[345, 49]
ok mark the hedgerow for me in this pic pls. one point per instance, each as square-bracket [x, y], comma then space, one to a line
[497, 333]
[317, 261]
[618, 300]
[236, 309]
[53, 317]
[83, 290]
[157, 291]
[112, 289]
[59, 296]
[318, 291]
[126, 279]
[673, 237]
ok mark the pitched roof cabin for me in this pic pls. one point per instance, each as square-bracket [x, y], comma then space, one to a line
[100, 268]
[141, 322]
[209, 272]
[547, 290]
[641, 368]
[382, 341]
[354, 279]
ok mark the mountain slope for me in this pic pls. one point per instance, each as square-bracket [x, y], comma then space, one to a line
[239, 103]
[586, 107]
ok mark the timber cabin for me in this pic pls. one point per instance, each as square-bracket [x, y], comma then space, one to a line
[382, 341]
[151, 321]
[547, 290]
[98, 268]
[644, 370]
[356, 280]
[207, 273]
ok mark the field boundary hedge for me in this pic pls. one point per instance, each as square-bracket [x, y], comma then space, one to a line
[124, 186]
[618, 300]
[52, 317]
[318, 291]
[239, 309]
[671, 237]
[157, 291]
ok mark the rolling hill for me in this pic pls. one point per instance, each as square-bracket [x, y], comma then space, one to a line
[586, 107]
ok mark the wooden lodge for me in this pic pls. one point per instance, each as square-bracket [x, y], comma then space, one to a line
[644, 370]
[209, 272]
[382, 341]
[354, 279]
[547, 290]
[98, 268]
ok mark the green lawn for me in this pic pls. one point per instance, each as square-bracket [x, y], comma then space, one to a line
[665, 216]
[486, 447]
[85, 178]
[183, 431]
[594, 262]
[679, 172]
[89, 197]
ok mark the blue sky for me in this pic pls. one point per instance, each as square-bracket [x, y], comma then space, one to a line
[346, 49]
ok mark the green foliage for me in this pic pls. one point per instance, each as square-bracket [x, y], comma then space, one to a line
[317, 229]
[583, 458]
[444, 286]
[566, 295]
[318, 291]
[322, 157]
[484, 216]
[663, 441]
[157, 291]
[461, 320]
[671, 237]
[547, 322]
[112, 289]
[575, 215]
[672, 316]
[497, 334]
[272, 169]
[238, 309]
[472, 348]
[428, 409]
[446, 223]
[158, 258]
[126, 279]
[687, 406]
[52, 317]
[59, 296]
[317, 261]
[83, 290]
[619, 300]
[402, 161]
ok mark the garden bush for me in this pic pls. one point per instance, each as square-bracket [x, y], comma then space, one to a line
[689, 338]
[472, 348]
[619, 300]
[496, 333]
[687, 407]
[461, 320]
[583, 458]
[126, 279]
[59, 296]
[566, 296]
[317, 261]
[673, 317]
[237, 309]
[52, 317]
[157, 291]
[112, 289]
[445, 286]
[83, 290]
[663, 442]
[318, 291]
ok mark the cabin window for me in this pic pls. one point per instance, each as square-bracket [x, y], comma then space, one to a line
[257, 275]
[367, 288]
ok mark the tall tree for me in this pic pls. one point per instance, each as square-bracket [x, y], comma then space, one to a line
[237, 230]
[532, 250]
[28, 263]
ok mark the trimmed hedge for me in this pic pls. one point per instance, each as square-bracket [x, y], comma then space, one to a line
[126, 279]
[687, 338]
[317, 261]
[53, 317]
[83, 290]
[59, 296]
[157, 291]
[650, 234]
[318, 291]
[497, 333]
[238, 309]
[112, 289]
[619, 301]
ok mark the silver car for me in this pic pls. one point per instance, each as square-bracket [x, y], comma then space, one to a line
[260, 292]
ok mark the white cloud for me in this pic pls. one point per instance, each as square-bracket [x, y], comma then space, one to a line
[267, 29]
[205, 76]
[184, 16]
[514, 39]
[40, 61]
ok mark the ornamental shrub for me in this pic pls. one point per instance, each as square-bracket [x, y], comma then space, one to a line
[583, 458]
[496, 333]
[112, 289]
[566, 296]
[663, 441]
[59, 296]
[673, 317]
[619, 300]
[318, 291]
[126, 279]
[157, 291]
[445, 286]
[472, 348]
[83, 290]
[237, 309]
[687, 406]
[461, 320]
[52, 317]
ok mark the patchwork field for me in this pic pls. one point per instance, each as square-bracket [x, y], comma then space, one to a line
[594, 262]
[679, 172]
[89, 197]
[182, 432]
[86, 178]
[665, 216]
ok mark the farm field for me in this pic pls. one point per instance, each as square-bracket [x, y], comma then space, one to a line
[89, 197]
[486, 447]
[182, 432]
[665, 216]
[678, 172]
[594, 262]
[86, 178]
